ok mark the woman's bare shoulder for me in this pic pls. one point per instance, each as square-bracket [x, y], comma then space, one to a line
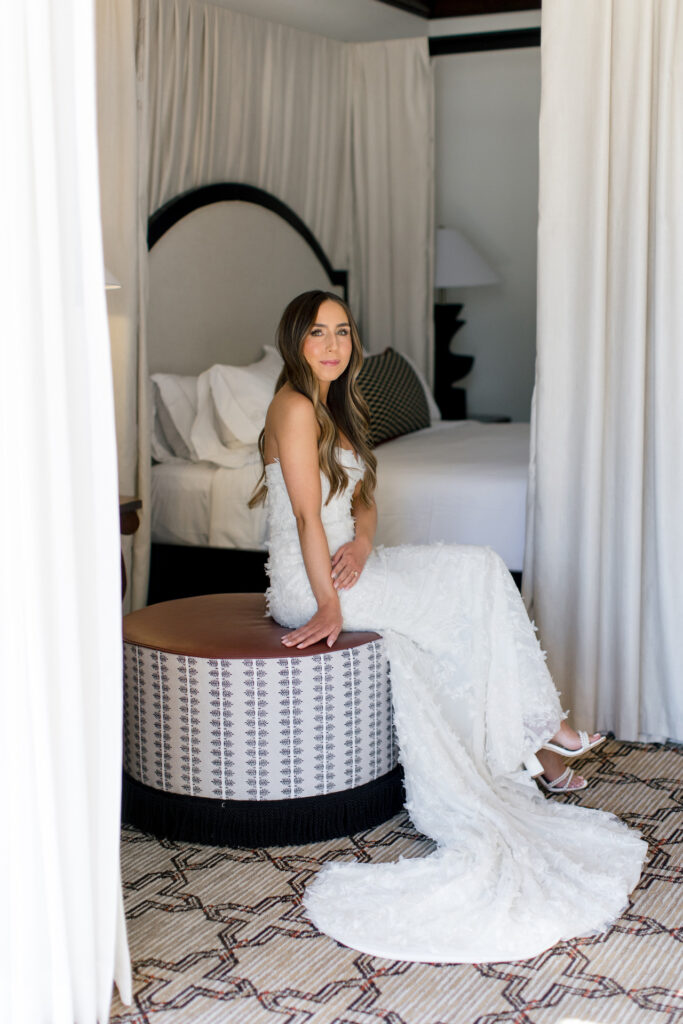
[290, 407]
[290, 424]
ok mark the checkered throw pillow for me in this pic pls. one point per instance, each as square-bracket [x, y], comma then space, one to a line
[394, 395]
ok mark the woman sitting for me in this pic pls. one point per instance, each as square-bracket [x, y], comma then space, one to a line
[474, 702]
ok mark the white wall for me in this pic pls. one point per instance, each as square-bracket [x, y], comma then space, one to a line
[487, 107]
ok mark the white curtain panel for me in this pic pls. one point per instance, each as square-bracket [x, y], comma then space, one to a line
[223, 96]
[342, 133]
[604, 568]
[124, 215]
[229, 97]
[60, 618]
[393, 196]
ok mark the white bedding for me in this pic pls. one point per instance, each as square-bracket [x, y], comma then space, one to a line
[457, 481]
[204, 505]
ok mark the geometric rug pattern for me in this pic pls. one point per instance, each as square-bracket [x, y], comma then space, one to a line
[219, 934]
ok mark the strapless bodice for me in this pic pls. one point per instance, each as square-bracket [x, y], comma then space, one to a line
[335, 514]
[290, 599]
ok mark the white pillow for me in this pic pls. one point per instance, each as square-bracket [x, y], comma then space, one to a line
[175, 400]
[160, 448]
[241, 396]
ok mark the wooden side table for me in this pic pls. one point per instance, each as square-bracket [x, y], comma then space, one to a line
[129, 520]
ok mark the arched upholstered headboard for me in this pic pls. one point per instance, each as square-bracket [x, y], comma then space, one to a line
[224, 260]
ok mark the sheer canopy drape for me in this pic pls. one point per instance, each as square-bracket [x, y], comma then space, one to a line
[229, 97]
[393, 196]
[63, 937]
[124, 213]
[604, 566]
[223, 96]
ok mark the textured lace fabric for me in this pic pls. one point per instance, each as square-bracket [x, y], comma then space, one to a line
[513, 873]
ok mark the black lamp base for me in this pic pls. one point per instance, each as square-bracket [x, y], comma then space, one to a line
[449, 367]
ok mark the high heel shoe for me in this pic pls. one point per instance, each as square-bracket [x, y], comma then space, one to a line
[563, 782]
[568, 752]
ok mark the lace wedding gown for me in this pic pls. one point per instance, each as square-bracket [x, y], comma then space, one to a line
[513, 873]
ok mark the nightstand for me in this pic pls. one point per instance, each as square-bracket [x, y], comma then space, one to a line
[129, 522]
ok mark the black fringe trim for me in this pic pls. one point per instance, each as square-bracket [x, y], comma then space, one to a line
[252, 823]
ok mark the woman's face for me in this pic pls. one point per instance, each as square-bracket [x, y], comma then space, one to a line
[328, 344]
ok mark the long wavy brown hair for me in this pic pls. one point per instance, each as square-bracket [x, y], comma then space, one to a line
[345, 412]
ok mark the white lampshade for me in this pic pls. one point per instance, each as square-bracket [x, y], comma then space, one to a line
[458, 264]
[110, 281]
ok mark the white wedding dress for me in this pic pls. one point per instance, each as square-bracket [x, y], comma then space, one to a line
[513, 873]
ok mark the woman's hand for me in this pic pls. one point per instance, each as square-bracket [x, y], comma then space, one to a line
[349, 561]
[327, 622]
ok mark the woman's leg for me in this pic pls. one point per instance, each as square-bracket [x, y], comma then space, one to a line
[554, 767]
[569, 738]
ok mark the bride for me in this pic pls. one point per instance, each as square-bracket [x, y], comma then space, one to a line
[476, 712]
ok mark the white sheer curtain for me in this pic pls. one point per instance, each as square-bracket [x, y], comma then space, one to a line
[393, 196]
[60, 616]
[124, 216]
[604, 568]
[223, 96]
[229, 97]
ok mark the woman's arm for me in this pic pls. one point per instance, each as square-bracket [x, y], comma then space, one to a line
[296, 435]
[349, 560]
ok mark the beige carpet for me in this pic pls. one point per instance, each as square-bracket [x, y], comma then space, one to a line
[218, 934]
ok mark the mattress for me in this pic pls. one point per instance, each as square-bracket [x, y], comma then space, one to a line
[457, 481]
[202, 505]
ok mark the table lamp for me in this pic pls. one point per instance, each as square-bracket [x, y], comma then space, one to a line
[458, 265]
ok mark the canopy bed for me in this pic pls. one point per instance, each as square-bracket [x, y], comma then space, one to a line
[224, 261]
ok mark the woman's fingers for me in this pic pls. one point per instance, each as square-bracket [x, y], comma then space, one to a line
[348, 579]
[316, 636]
[308, 641]
[342, 569]
[340, 552]
[312, 633]
[345, 576]
[292, 639]
[332, 638]
[347, 565]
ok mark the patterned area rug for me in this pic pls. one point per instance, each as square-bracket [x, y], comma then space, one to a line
[218, 934]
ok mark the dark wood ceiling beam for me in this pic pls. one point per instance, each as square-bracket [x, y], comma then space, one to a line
[477, 42]
[462, 8]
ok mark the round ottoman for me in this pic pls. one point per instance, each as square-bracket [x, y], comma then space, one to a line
[231, 738]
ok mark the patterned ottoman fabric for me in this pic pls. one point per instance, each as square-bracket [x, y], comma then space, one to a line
[257, 729]
[247, 725]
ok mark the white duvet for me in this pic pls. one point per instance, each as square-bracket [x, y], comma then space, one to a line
[456, 481]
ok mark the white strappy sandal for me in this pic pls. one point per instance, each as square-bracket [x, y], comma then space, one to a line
[562, 784]
[586, 745]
